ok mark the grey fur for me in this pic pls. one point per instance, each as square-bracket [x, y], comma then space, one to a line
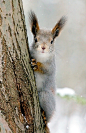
[45, 81]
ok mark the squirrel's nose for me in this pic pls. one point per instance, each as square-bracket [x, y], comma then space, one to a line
[43, 48]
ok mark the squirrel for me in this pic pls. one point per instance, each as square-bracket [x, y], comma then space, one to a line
[43, 62]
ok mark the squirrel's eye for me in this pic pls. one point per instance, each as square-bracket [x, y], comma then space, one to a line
[51, 41]
[36, 40]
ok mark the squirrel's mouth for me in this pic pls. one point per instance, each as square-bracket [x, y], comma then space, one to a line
[43, 51]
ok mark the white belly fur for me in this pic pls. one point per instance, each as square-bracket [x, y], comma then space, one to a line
[40, 80]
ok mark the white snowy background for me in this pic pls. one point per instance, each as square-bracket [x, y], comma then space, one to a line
[70, 115]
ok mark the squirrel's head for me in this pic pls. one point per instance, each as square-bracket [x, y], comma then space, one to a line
[44, 39]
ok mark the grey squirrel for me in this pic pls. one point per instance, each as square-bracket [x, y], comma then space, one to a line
[43, 62]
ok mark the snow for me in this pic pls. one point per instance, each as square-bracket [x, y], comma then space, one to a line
[27, 127]
[65, 91]
[74, 124]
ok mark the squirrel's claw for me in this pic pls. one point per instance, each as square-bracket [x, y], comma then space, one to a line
[33, 60]
[33, 64]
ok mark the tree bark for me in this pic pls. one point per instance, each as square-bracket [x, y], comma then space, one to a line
[19, 104]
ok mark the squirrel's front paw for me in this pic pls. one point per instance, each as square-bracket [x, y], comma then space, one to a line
[33, 64]
[37, 66]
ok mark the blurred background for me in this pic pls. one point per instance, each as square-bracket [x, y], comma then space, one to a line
[70, 47]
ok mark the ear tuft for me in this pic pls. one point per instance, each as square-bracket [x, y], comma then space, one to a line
[56, 30]
[33, 23]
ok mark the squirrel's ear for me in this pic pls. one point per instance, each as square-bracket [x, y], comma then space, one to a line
[33, 23]
[56, 30]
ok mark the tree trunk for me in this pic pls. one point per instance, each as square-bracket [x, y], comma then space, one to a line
[19, 105]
